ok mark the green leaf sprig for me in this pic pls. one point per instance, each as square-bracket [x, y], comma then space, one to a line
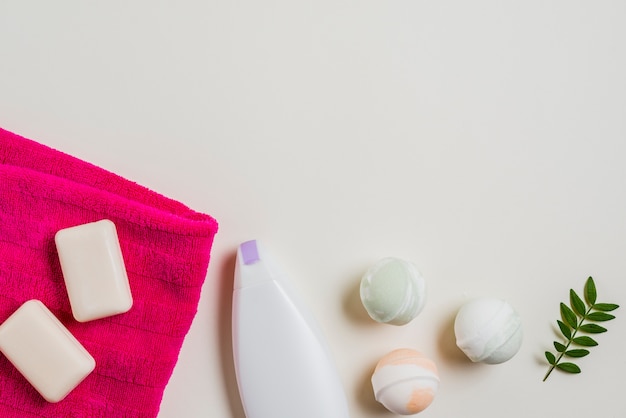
[579, 317]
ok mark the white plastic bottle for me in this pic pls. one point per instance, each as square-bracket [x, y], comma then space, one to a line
[283, 367]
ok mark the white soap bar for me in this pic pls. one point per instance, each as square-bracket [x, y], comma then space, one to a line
[44, 351]
[93, 269]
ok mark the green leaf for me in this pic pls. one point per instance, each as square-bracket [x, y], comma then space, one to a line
[568, 367]
[579, 315]
[565, 330]
[590, 291]
[568, 315]
[600, 316]
[580, 352]
[577, 304]
[585, 341]
[592, 329]
[605, 307]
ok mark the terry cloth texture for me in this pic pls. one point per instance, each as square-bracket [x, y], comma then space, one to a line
[166, 248]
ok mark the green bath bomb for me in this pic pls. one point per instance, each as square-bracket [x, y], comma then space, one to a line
[393, 291]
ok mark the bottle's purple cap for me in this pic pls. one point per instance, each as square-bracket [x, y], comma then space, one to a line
[249, 252]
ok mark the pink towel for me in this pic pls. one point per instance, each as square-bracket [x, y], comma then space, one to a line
[166, 248]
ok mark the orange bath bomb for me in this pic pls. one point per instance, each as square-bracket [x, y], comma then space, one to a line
[405, 381]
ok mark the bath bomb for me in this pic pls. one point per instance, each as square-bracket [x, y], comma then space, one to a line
[405, 381]
[393, 291]
[488, 330]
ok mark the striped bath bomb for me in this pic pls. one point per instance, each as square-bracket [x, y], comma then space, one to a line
[393, 291]
[405, 381]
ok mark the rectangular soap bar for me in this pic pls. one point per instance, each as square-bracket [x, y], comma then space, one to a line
[93, 270]
[44, 351]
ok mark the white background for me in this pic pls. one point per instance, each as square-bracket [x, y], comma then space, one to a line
[485, 141]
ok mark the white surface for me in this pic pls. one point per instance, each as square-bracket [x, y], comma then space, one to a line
[44, 351]
[484, 141]
[93, 270]
[282, 362]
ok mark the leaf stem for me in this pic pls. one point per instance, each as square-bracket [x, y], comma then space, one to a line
[569, 342]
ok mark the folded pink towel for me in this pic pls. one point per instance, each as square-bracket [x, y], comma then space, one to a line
[166, 247]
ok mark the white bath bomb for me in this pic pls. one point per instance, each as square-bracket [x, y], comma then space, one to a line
[488, 330]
